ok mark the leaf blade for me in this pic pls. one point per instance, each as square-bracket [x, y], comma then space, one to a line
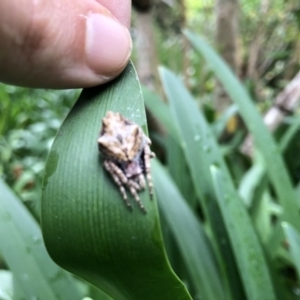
[94, 235]
[202, 152]
[189, 235]
[263, 139]
[20, 236]
[249, 254]
[294, 241]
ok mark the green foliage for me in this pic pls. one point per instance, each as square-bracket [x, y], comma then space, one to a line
[269, 27]
[29, 119]
[86, 226]
[262, 138]
[189, 235]
[203, 154]
[256, 261]
[34, 273]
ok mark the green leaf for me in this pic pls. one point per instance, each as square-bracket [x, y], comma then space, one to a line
[293, 238]
[96, 294]
[220, 124]
[289, 134]
[250, 257]
[179, 170]
[6, 285]
[262, 215]
[22, 246]
[201, 151]
[262, 137]
[176, 161]
[161, 111]
[189, 236]
[87, 228]
[253, 178]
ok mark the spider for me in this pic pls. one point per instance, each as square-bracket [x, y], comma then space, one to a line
[127, 154]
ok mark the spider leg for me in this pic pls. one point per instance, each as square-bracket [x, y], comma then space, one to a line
[117, 176]
[135, 195]
[148, 140]
[134, 184]
[147, 156]
[151, 154]
[141, 181]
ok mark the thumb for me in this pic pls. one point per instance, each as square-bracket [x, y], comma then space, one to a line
[61, 44]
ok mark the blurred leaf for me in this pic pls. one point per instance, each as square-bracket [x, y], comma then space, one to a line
[220, 124]
[296, 13]
[201, 151]
[189, 236]
[262, 137]
[180, 172]
[289, 134]
[97, 294]
[87, 228]
[262, 216]
[250, 257]
[161, 111]
[177, 165]
[293, 239]
[6, 285]
[251, 180]
[22, 246]
[297, 189]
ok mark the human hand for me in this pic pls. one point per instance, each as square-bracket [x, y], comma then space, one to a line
[63, 43]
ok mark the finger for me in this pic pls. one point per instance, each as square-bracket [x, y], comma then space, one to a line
[63, 44]
[120, 9]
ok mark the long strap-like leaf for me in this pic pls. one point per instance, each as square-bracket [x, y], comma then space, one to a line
[87, 228]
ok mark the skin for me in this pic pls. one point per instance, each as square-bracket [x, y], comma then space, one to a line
[63, 43]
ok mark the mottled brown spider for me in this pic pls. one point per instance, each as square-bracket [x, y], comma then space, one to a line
[127, 154]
